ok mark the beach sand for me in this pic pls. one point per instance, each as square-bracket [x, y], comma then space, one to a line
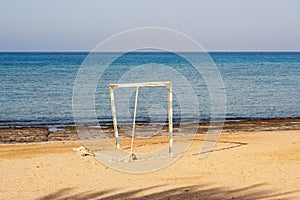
[242, 165]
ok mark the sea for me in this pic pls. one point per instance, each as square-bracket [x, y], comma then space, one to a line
[37, 88]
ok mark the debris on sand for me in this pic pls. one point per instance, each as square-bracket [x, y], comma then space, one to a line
[84, 151]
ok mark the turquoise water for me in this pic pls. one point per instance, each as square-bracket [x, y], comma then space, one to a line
[36, 88]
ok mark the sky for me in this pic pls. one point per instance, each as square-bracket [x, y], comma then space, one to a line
[218, 25]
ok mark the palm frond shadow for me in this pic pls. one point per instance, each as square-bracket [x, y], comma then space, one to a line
[187, 192]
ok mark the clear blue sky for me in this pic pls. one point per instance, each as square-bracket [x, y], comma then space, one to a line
[30, 25]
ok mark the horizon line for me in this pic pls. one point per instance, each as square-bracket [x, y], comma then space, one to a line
[87, 51]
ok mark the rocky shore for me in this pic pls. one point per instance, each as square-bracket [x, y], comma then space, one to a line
[18, 134]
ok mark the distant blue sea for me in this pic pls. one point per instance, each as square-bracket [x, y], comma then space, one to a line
[36, 87]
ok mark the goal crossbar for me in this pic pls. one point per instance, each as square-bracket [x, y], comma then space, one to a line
[149, 84]
[167, 84]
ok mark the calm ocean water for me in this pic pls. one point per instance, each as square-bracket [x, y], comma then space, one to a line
[37, 88]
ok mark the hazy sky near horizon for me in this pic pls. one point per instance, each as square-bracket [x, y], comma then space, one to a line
[227, 25]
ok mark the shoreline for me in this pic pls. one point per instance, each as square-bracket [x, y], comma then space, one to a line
[29, 134]
[31, 124]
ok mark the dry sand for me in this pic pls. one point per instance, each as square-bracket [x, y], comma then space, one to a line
[244, 165]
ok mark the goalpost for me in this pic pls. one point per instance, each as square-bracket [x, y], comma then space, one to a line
[167, 84]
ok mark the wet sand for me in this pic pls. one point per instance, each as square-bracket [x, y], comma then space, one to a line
[253, 164]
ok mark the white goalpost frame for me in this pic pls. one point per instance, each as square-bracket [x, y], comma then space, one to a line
[167, 84]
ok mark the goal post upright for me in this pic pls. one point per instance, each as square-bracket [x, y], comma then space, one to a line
[170, 115]
[167, 84]
[113, 110]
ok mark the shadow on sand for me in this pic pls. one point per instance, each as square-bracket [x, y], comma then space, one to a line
[188, 192]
